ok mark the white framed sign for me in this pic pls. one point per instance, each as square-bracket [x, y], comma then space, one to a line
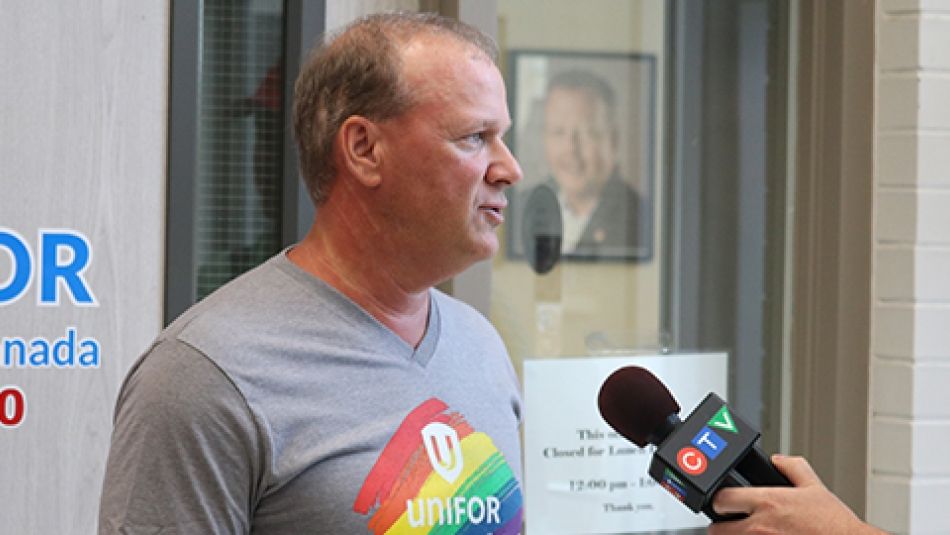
[580, 475]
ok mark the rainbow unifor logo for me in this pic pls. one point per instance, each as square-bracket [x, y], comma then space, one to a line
[439, 476]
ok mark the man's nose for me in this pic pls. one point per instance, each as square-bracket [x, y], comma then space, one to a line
[504, 167]
[576, 143]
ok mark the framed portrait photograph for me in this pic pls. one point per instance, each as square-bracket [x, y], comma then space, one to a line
[584, 133]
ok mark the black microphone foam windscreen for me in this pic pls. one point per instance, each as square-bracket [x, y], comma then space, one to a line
[635, 403]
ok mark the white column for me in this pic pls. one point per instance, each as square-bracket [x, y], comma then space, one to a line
[909, 479]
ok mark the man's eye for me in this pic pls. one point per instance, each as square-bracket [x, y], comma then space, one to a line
[474, 139]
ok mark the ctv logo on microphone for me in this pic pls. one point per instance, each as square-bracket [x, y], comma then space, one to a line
[708, 444]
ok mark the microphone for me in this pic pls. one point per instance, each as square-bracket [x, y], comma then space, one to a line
[713, 448]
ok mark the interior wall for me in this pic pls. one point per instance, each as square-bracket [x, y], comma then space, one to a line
[908, 469]
[82, 150]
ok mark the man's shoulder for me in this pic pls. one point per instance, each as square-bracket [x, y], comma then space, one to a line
[620, 190]
[172, 377]
[250, 302]
[236, 312]
[246, 289]
[619, 205]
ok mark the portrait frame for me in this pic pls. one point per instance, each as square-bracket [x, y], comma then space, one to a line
[631, 77]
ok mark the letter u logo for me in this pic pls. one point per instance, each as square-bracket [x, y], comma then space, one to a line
[444, 450]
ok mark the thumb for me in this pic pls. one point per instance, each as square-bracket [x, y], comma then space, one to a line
[797, 470]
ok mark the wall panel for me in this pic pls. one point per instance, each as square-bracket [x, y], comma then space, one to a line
[82, 149]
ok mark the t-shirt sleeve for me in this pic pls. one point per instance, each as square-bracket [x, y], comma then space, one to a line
[186, 453]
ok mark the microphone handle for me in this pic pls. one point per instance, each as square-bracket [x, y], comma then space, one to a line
[759, 471]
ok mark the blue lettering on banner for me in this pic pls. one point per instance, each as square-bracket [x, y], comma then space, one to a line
[66, 352]
[52, 244]
[709, 442]
[64, 256]
[22, 271]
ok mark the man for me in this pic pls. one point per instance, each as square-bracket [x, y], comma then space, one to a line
[331, 389]
[808, 508]
[600, 212]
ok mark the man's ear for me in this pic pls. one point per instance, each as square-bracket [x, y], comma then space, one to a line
[359, 150]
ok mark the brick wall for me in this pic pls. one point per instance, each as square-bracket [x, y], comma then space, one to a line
[909, 479]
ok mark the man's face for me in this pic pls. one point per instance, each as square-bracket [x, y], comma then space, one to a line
[579, 141]
[445, 164]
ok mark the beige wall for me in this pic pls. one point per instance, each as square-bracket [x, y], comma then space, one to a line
[909, 471]
[82, 147]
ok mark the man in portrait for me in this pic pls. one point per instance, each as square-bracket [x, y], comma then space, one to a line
[600, 210]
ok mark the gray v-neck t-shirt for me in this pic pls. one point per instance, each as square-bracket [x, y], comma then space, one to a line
[277, 405]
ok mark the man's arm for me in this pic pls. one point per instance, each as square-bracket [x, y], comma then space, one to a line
[185, 454]
[805, 509]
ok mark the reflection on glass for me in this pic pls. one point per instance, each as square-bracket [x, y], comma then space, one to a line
[587, 134]
[598, 208]
[649, 125]
[581, 270]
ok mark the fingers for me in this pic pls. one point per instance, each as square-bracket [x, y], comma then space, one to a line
[747, 499]
[797, 470]
[808, 508]
[735, 500]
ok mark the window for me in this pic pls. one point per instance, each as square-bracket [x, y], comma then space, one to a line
[682, 103]
[234, 195]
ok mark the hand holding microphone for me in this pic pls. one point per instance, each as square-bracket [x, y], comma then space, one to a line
[808, 508]
[711, 463]
[713, 448]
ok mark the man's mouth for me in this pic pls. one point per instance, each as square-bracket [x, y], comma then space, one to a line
[495, 212]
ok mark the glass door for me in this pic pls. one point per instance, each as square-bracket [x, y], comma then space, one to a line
[650, 223]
